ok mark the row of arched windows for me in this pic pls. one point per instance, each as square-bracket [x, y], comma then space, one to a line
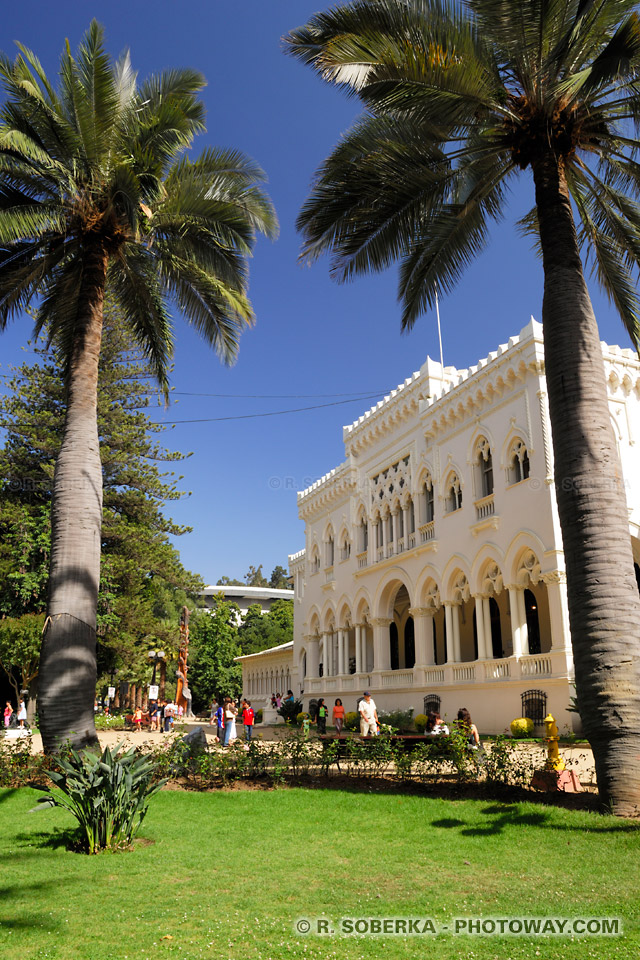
[397, 529]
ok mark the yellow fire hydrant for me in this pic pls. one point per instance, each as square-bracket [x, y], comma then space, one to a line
[554, 760]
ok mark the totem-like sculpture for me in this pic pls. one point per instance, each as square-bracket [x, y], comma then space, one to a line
[183, 693]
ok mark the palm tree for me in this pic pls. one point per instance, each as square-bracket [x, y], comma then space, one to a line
[95, 197]
[459, 99]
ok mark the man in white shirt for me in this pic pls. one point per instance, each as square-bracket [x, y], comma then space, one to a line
[368, 716]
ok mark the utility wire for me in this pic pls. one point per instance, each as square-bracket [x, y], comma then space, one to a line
[243, 416]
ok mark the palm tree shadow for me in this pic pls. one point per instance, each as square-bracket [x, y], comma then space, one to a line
[510, 815]
[67, 837]
[31, 919]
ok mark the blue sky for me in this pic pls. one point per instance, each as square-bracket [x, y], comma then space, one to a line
[314, 342]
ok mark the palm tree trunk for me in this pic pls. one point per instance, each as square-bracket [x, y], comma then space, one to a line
[68, 661]
[604, 607]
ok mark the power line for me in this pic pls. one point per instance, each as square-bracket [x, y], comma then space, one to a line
[243, 416]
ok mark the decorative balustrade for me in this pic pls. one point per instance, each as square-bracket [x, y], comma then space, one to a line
[485, 507]
[397, 678]
[497, 669]
[537, 665]
[464, 672]
[400, 545]
[427, 531]
[434, 675]
[362, 560]
[329, 574]
[412, 540]
[380, 553]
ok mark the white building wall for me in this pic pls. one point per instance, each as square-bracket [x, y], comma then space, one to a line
[484, 554]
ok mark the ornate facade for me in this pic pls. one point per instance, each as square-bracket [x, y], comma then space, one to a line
[433, 572]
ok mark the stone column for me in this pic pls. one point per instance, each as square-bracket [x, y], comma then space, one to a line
[556, 584]
[488, 633]
[423, 624]
[394, 530]
[341, 658]
[516, 625]
[452, 627]
[406, 525]
[358, 629]
[524, 630]
[381, 651]
[313, 655]
[482, 640]
[455, 616]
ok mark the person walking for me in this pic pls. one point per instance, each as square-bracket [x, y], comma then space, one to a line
[169, 714]
[368, 716]
[22, 714]
[248, 719]
[219, 721]
[338, 716]
[321, 716]
[229, 721]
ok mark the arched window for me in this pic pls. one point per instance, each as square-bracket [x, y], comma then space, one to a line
[394, 648]
[315, 560]
[496, 629]
[330, 551]
[412, 517]
[345, 549]
[427, 499]
[533, 622]
[454, 494]
[409, 644]
[518, 462]
[364, 536]
[485, 467]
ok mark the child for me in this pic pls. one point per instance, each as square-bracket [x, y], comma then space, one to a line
[248, 718]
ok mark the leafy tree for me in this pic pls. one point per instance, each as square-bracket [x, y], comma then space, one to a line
[20, 650]
[95, 196]
[260, 631]
[459, 99]
[255, 578]
[279, 579]
[213, 649]
[227, 582]
[143, 585]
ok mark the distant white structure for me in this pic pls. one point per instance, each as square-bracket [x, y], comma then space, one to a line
[246, 597]
[433, 573]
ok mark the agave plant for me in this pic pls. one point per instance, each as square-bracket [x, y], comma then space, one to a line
[108, 795]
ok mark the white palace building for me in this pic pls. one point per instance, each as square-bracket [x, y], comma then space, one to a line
[433, 573]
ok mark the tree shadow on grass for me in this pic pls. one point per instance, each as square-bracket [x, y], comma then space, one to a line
[67, 837]
[30, 920]
[511, 815]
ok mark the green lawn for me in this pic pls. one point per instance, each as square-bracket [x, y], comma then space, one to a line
[227, 875]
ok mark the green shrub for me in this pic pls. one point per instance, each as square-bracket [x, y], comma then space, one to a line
[420, 722]
[301, 716]
[352, 720]
[290, 710]
[522, 727]
[109, 721]
[19, 767]
[398, 719]
[108, 795]
[259, 716]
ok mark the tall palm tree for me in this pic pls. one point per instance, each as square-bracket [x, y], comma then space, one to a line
[94, 197]
[459, 99]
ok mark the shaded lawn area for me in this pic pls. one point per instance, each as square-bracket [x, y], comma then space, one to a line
[226, 875]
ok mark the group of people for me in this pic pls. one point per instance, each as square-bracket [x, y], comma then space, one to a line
[224, 716]
[370, 725]
[19, 720]
[162, 715]
[277, 699]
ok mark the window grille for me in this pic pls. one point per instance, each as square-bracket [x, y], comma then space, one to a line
[431, 703]
[534, 705]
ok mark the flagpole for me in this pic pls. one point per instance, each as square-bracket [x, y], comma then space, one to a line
[439, 332]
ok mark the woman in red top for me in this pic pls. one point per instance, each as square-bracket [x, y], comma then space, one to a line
[338, 716]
